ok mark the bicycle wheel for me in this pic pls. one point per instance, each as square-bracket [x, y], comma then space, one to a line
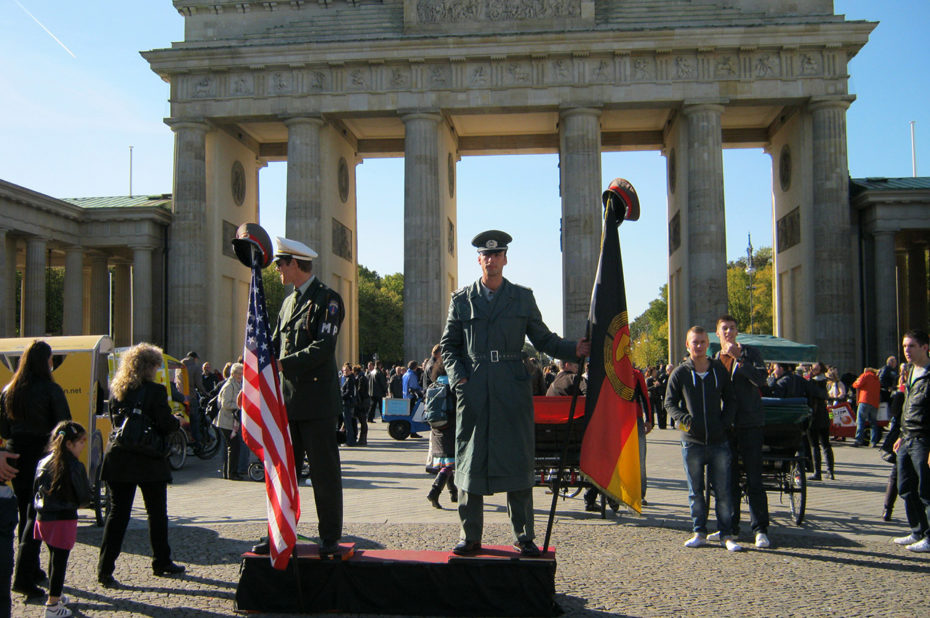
[209, 442]
[177, 449]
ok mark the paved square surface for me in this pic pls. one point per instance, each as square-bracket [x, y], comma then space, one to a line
[840, 562]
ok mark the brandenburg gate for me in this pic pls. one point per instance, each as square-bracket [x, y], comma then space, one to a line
[324, 84]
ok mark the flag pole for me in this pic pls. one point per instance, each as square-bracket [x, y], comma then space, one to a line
[576, 384]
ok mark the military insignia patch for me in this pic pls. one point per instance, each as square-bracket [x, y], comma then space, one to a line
[333, 308]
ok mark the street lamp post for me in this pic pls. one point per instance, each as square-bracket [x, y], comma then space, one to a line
[750, 271]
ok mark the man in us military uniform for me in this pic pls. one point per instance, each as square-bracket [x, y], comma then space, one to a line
[305, 343]
[495, 434]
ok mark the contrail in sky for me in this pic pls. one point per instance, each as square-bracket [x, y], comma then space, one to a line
[44, 28]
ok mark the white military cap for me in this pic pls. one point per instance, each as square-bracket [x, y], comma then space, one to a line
[286, 247]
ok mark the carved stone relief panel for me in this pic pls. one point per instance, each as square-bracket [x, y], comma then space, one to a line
[202, 87]
[241, 85]
[281, 82]
[559, 71]
[811, 64]
[318, 80]
[766, 65]
[644, 68]
[439, 76]
[358, 78]
[480, 15]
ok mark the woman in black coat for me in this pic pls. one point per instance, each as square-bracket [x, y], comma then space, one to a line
[30, 407]
[123, 469]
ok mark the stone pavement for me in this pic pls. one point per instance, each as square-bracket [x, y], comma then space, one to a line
[839, 562]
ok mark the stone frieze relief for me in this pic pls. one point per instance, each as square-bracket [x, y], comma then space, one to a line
[508, 72]
[456, 11]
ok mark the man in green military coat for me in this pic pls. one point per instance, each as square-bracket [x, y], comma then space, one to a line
[495, 434]
[305, 343]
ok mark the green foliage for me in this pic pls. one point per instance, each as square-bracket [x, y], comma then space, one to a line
[756, 319]
[275, 292]
[54, 299]
[649, 332]
[380, 316]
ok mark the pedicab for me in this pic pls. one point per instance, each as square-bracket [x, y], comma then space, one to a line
[550, 416]
[173, 376]
[784, 443]
[80, 369]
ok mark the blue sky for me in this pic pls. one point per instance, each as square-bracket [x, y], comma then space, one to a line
[67, 122]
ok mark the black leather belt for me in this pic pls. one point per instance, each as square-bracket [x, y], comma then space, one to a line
[495, 356]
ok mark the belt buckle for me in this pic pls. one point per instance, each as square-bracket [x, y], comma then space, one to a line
[495, 357]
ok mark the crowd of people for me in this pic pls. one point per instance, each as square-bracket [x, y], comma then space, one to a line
[482, 444]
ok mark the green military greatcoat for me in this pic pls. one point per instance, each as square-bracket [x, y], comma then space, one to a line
[482, 342]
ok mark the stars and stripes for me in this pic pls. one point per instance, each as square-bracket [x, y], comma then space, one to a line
[264, 427]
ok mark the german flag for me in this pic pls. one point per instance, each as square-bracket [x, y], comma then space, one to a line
[610, 448]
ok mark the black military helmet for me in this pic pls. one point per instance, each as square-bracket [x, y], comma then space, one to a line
[252, 235]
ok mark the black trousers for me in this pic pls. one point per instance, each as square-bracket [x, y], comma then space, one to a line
[155, 495]
[28, 547]
[230, 453]
[318, 439]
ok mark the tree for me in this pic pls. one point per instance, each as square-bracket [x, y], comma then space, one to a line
[380, 315]
[649, 332]
[275, 293]
[757, 318]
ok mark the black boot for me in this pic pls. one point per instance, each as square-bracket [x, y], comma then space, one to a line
[453, 491]
[438, 484]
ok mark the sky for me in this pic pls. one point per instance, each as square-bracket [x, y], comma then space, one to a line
[75, 95]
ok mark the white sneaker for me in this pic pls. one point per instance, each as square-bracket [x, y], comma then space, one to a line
[906, 540]
[58, 610]
[698, 540]
[762, 540]
[714, 537]
[731, 545]
[923, 545]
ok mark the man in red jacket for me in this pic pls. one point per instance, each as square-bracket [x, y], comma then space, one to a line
[868, 395]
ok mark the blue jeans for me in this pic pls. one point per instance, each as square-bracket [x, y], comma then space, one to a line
[914, 483]
[348, 418]
[9, 515]
[866, 414]
[717, 459]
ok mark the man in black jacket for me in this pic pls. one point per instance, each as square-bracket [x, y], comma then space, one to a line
[913, 447]
[377, 388]
[700, 400]
[747, 372]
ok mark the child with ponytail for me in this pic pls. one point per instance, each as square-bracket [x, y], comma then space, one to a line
[61, 487]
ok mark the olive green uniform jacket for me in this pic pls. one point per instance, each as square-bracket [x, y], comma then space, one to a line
[305, 343]
[482, 342]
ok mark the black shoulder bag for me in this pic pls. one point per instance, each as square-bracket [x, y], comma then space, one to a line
[137, 433]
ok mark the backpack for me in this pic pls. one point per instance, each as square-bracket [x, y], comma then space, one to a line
[439, 403]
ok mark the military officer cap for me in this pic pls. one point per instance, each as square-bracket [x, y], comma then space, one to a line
[286, 247]
[491, 241]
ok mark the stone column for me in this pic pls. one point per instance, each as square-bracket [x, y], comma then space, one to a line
[7, 284]
[72, 321]
[99, 295]
[580, 167]
[707, 234]
[886, 295]
[33, 301]
[304, 196]
[834, 314]
[141, 294]
[916, 288]
[424, 313]
[188, 264]
[122, 305]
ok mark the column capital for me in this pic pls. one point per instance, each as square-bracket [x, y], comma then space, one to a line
[836, 101]
[143, 247]
[292, 120]
[192, 124]
[693, 106]
[419, 114]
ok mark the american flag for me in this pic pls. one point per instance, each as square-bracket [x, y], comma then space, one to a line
[264, 427]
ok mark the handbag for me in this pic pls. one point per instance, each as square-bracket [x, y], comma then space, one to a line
[136, 433]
